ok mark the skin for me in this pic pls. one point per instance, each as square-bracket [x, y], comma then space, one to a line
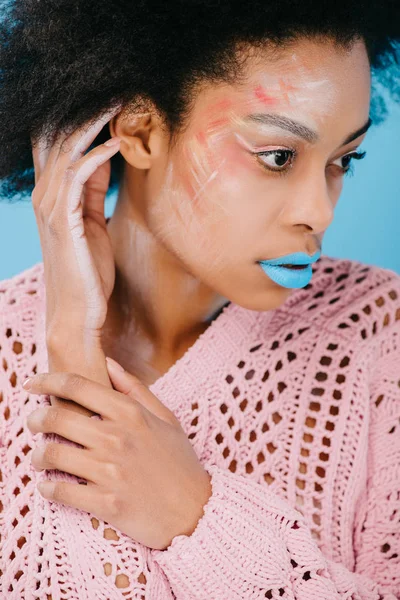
[135, 459]
[191, 221]
[193, 218]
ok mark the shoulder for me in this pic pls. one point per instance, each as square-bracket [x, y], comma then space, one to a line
[350, 297]
[21, 316]
[21, 290]
[22, 353]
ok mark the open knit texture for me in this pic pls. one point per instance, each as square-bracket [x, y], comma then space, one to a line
[295, 414]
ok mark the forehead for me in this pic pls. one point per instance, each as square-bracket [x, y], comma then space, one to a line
[315, 80]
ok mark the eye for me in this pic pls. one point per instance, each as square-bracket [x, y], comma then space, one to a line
[277, 160]
[347, 167]
[282, 159]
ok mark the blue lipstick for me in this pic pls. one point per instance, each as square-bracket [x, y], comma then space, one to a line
[290, 277]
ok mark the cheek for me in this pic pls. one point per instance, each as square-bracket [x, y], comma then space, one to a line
[227, 190]
[239, 207]
[216, 207]
[239, 195]
[198, 165]
[207, 162]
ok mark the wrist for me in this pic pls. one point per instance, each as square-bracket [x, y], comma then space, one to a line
[196, 512]
[67, 331]
[75, 352]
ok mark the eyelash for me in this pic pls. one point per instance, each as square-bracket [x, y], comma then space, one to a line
[282, 172]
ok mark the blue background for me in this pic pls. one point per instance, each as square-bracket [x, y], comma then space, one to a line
[366, 226]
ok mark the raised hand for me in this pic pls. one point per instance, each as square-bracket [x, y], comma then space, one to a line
[68, 202]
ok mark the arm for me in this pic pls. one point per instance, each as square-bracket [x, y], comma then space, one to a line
[252, 544]
[68, 350]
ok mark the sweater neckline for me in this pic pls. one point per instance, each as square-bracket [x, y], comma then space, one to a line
[201, 346]
[231, 324]
[223, 338]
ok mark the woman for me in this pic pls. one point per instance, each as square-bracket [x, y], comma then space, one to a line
[250, 448]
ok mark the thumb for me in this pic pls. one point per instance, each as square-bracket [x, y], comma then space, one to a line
[131, 386]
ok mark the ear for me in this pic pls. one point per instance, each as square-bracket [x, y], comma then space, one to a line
[142, 137]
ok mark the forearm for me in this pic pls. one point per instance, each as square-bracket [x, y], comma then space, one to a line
[71, 351]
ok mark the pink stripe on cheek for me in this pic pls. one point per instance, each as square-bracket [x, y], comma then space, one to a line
[201, 138]
[188, 183]
[195, 168]
[237, 161]
[220, 122]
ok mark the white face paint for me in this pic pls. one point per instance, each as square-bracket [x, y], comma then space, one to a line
[214, 205]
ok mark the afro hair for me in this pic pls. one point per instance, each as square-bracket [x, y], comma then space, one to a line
[66, 62]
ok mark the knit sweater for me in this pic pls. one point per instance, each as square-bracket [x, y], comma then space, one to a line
[294, 413]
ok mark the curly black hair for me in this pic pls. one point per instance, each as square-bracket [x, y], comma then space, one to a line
[65, 62]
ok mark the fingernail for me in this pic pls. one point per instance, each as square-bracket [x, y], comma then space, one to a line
[112, 142]
[46, 488]
[27, 383]
[113, 364]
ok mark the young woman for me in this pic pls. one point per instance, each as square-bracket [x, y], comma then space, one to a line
[250, 448]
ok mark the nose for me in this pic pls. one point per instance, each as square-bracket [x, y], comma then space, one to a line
[311, 205]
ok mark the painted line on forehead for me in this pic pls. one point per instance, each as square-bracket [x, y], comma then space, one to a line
[262, 96]
[218, 106]
[215, 115]
[286, 88]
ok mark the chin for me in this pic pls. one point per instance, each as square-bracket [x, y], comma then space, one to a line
[266, 300]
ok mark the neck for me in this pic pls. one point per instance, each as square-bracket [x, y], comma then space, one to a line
[157, 308]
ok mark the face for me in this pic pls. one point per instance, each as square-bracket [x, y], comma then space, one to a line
[258, 172]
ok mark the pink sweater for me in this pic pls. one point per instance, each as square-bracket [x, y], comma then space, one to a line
[294, 412]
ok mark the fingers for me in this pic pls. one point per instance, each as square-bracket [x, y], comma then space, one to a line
[88, 498]
[68, 148]
[86, 392]
[40, 154]
[65, 458]
[73, 426]
[94, 197]
[71, 187]
[79, 141]
[74, 180]
[131, 386]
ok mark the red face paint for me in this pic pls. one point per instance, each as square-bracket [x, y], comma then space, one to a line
[201, 138]
[263, 97]
[220, 106]
[218, 123]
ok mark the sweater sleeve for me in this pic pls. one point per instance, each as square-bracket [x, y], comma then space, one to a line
[250, 543]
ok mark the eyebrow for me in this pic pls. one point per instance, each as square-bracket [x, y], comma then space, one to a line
[299, 129]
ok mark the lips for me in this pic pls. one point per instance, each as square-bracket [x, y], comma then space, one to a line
[296, 259]
[292, 270]
[293, 266]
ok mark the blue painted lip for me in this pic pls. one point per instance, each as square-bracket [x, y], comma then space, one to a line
[297, 258]
[290, 278]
